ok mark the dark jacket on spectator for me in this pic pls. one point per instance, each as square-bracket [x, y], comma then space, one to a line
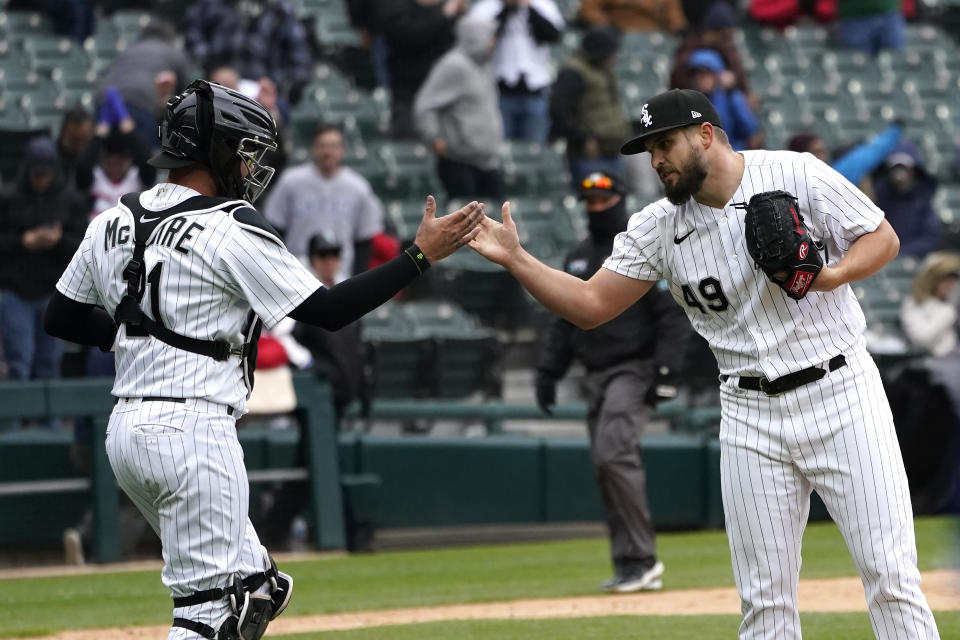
[417, 35]
[585, 102]
[910, 213]
[133, 72]
[271, 43]
[34, 274]
[340, 356]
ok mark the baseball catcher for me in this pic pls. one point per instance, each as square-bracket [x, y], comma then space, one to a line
[780, 243]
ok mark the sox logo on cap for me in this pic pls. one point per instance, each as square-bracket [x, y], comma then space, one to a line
[645, 117]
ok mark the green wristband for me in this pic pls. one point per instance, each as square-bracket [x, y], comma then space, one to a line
[419, 260]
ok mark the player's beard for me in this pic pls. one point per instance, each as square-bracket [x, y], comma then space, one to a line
[691, 177]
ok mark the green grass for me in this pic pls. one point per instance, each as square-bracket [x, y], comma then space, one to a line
[430, 577]
[816, 626]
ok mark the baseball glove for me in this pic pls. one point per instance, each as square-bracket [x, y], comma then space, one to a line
[780, 243]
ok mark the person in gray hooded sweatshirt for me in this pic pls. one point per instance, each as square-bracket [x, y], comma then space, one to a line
[456, 114]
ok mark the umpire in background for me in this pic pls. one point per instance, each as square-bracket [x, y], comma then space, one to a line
[632, 363]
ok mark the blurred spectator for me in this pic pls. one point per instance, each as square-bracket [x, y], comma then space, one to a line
[384, 247]
[631, 365]
[417, 33]
[41, 224]
[585, 106]
[263, 91]
[146, 74]
[714, 31]
[871, 25]
[69, 18]
[782, 13]
[521, 62]
[741, 125]
[856, 163]
[117, 154]
[695, 10]
[76, 131]
[339, 357]
[273, 392]
[634, 15]
[929, 313]
[365, 19]
[455, 112]
[905, 191]
[259, 38]
[324, 195]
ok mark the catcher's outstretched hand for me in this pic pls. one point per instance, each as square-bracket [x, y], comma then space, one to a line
[498, 241]
[439, 237]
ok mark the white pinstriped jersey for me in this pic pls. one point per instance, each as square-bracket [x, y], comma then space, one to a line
[206, 271]
[753, 327]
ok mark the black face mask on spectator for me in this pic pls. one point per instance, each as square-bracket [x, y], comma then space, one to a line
[609, 222]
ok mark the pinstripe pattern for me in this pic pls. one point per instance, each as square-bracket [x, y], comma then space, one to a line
[181, 462]
[835, 435]
[205, 293]
[763, 332]
[182, 465]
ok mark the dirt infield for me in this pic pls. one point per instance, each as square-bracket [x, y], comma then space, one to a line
[942, 589]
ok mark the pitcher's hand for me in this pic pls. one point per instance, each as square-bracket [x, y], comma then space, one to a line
[498, 241]
[439, 237]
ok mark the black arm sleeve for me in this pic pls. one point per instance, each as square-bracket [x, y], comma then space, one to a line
[79, 322]
[542, 29]
[361, 256]
[335, 308]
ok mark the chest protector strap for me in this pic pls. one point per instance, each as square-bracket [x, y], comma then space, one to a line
[129, 311]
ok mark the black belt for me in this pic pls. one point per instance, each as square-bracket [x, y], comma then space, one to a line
[229, 409]
[788, 382]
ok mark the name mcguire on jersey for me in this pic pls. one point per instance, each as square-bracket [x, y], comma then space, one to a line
[114, 234]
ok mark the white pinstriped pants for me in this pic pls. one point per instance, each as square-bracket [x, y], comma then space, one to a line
[835, 435]
[182, 465]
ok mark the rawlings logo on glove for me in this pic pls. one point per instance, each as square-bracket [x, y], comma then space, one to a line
[779, 242]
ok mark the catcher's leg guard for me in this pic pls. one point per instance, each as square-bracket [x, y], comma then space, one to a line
[250, 611]
[227, 628]
[247, 619]
[280, 585]
[282, 589]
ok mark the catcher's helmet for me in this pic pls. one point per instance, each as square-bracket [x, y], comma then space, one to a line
[217, 127]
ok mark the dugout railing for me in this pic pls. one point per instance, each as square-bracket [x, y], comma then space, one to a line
[455, 480]
[90, 398]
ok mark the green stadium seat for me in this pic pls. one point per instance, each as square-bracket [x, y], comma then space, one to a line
[759, 40]
[12, 54]
[400, 360]
[806, 39]
[439, 318]
[16, 78]
[129, 22]
[74, 97]
[389, 318]
[22, 25]
[405, 216]
[12, 117]
[466, 363]
[482, 289]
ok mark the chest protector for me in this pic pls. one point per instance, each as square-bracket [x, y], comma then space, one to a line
[129, 312]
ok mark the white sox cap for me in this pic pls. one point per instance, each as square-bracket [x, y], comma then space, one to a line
[669, 110]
